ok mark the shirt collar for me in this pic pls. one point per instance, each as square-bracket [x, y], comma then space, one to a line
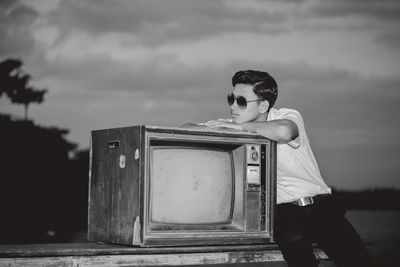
[272, 114]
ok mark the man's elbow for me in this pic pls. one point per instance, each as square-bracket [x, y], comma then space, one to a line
[287, 131]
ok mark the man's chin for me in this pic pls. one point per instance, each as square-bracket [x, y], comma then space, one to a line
[236, 120]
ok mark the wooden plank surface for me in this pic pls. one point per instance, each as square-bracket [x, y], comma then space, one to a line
[91, 254]
[91, 249]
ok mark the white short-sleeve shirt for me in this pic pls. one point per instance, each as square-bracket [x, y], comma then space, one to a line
[298, 174]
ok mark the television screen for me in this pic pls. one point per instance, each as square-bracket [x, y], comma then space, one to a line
[191, 185]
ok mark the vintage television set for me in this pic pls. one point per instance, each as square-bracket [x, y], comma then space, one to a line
[159, 186]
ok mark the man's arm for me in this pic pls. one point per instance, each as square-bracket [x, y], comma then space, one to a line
[195, 126]
[191, 125]
[205, 127]
[281, 131]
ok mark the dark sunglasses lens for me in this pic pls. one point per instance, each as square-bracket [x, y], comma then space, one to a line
[231, 99]
[241, 102]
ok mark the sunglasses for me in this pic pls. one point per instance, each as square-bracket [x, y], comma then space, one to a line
[240, 101]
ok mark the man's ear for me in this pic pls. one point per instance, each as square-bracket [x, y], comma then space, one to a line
[263, 107]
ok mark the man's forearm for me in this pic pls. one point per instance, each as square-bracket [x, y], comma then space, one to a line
[194, 126]
[205, 127]
[277, 130]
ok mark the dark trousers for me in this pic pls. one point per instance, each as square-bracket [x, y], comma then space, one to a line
[323, 223]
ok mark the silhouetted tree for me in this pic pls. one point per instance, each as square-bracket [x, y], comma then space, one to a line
[43, 184]
[15, 84]
[27, 96]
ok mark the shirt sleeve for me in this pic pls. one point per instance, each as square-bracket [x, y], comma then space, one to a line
[296, 117]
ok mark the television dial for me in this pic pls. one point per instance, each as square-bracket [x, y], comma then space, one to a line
[254, 155]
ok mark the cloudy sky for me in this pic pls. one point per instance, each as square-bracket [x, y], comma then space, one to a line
[119, 63]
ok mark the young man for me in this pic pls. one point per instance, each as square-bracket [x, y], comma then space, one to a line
[305, 209]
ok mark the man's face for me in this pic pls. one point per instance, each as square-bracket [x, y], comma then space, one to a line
[252, 112]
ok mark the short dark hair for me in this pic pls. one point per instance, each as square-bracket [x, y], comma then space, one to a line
[264, 85]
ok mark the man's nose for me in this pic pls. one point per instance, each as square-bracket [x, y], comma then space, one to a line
[234, 105]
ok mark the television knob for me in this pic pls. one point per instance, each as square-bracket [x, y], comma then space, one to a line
[254, 155]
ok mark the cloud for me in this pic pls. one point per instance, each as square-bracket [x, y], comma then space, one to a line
[390, 38]
[380, 18]
[158, 73]
[381, 10]
[349, 100]
[157, 22]
[15, 28]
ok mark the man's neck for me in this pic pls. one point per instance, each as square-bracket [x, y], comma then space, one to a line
[262, 117]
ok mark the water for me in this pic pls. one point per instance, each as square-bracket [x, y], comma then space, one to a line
[380, 231]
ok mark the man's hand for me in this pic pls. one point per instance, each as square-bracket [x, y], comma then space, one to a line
[195, 126]
[223, 123]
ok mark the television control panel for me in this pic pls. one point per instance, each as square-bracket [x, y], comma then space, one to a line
[255, 187]
[253, 165]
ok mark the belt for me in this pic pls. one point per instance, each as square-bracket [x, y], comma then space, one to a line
[304, 201]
